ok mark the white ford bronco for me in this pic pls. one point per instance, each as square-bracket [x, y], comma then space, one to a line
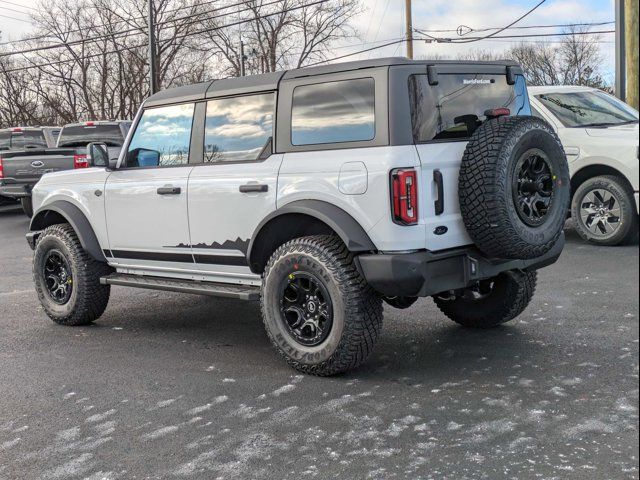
[320, 192]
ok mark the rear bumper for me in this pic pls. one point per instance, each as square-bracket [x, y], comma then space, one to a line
[424, 273]
[15, 190]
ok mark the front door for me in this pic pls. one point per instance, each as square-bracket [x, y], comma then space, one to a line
[146, 197]
[233, 188]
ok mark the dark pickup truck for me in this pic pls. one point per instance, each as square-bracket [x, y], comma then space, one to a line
[21, 169]
[21, 138]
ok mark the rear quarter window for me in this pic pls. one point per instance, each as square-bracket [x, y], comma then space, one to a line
[454, 108]
[333, 112]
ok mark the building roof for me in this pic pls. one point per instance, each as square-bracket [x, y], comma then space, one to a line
[270, 81]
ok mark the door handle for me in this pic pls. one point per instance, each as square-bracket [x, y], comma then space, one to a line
[254, 188]
[169, 190]
[439, 203]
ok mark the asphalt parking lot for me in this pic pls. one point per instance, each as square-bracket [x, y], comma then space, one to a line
[179, 386]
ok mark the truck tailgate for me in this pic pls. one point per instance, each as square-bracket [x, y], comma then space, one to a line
[29, 166]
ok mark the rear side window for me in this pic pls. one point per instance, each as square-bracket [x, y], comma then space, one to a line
[82, 135]
[239, 128]
[333, 112]
[454, 108]
[162, 137]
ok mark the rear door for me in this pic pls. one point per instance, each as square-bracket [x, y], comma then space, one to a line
[233, 185]
[146, 197]
[444, 115]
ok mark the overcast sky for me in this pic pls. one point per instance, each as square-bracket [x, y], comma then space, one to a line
[383, 21]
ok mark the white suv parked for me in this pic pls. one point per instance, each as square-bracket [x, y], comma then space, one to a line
[600, 136]
[320, 192]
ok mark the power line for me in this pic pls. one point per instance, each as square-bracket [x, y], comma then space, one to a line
[18, 5]
[14, 10]
[560, 25]
[357, 53]
[499, 30]
[561, 34]
[133, 31]
[128, 20]
[15, 18]
[206, 30]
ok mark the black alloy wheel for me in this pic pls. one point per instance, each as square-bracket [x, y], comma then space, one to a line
[533, 187]
[305, 308]
[58, 277]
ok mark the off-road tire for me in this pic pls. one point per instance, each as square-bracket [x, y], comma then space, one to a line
[486, 188]
[512, 293]
[357, 309]
[27, 206]
[88, 298]
[627, 232]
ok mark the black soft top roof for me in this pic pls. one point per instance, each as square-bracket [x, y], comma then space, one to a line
[270, 81]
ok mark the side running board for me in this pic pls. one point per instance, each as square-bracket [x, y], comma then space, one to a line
[242, 292]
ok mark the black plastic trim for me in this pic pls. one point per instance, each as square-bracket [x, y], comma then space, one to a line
[424, 273]
[78, 222]
[439, 203]
[221, 260]
[155, 256]
[345, 226]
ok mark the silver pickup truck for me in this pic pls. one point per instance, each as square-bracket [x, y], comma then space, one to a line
[21, 168]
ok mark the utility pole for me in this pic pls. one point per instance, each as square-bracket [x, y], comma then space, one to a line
[409, 30]
[153, 65]
[621, 56]
[242, 59]
[631, 47]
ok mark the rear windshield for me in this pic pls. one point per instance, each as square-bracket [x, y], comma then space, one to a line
[454, 108]
[23, 139]
[81, 135]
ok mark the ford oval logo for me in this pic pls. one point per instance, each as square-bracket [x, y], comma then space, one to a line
[441, 230]
[37, 164]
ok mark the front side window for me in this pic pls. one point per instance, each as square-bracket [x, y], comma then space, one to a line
[585, 109]
[239, 128]
[162, 137]
[334, 112]
[455, 107]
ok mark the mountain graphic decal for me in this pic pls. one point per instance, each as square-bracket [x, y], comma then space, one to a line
[237, 244]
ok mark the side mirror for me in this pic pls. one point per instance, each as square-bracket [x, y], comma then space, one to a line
[98, 154]
[113, 162]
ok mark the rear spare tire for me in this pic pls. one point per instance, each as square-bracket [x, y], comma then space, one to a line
[514, 187]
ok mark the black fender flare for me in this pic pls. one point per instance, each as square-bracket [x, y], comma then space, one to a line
[345, 226]
[78, 222]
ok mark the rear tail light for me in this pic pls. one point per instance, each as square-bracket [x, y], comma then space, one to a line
[404, 196]
[80, 161]
[497, 112]
[1, 169]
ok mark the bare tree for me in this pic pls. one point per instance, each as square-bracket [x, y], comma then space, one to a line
[278, 35]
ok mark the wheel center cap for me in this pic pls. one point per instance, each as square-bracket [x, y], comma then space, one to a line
[311, 307]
